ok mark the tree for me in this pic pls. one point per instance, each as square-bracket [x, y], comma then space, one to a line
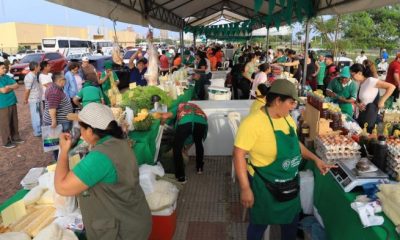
[374, 28]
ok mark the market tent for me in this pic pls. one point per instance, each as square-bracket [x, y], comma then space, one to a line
[174, 15]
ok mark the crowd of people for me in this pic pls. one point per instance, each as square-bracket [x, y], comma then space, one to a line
[267, 179]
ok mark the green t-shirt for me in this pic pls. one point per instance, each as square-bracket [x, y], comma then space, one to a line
[281, 59]
[7, 99]
[96, 167]
[189, 61]
[107, 84]
[321, 73]
[90, 94]
[347, 91]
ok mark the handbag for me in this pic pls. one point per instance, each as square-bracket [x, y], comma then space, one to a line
[282, 191]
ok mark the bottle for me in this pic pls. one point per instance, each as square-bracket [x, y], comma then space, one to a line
[305, 131]
[324, 112]
[380, 153]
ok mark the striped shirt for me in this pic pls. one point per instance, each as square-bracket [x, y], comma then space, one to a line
[55, 98]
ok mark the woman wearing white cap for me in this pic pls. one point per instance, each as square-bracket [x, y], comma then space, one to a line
[106, 180]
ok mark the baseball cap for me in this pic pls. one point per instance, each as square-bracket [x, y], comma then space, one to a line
[85, 59]
[345, 73]
[286, 88]
[94, 114]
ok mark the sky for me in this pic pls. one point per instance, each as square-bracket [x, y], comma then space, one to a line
[43, 12]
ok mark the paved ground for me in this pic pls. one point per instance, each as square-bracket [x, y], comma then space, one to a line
[15, 163]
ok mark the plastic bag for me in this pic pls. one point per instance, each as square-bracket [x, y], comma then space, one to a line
[65, 205]
[307, 191]
[51, 138]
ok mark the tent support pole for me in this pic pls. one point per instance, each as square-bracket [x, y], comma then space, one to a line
[303, 82]
[267, 39]
[194, 41]
[181, 43]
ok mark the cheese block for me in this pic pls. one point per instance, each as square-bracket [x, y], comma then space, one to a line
[34, 222]
[13, 213]
[14, 236]
[46, 198]
[33, 195]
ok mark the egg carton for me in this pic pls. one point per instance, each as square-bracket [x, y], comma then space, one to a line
[331, 156]
[393, 157]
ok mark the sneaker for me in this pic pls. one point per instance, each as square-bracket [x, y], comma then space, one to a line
[9, 145]
[182, 180]
[18, 141]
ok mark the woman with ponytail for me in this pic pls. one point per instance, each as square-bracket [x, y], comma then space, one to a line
[106, 180]
[369, 100]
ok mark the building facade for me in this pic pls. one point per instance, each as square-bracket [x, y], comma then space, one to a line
[17, 35]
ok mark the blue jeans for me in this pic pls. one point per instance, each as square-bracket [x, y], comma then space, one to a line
[36, 118]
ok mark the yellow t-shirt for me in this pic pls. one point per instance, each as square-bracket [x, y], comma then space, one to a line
[256, 135]
[256, 105]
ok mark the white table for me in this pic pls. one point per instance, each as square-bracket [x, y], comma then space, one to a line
[219, 140]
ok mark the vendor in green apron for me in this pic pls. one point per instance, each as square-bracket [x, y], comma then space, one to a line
[108, 80]
[275, 154]
[188, 59]
[106, 180]
[344, 91]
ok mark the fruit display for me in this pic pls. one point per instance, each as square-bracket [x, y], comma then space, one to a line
[142, 121]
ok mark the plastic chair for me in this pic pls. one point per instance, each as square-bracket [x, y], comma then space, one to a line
[234, 121]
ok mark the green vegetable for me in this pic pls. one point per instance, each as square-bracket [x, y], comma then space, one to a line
[140, 97]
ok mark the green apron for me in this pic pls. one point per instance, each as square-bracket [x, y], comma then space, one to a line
[345, 107]
[266, 209]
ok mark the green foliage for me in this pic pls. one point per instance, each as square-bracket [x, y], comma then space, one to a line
[373, 28]
[140, 97]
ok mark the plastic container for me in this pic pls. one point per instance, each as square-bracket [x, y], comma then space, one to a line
[163, 227]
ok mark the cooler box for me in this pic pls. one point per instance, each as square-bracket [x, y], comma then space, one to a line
[219, 93]
[163, 227]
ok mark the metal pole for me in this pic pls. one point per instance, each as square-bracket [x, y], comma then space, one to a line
[267, 42]
[194, 41]
[303, 82]
[182, 44]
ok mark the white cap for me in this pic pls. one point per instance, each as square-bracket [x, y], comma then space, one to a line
[85, 59]
[96, 115]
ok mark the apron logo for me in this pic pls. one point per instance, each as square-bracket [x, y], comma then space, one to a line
[286, 164]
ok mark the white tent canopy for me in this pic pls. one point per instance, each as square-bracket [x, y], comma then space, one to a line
[285, 30]
[175, 14]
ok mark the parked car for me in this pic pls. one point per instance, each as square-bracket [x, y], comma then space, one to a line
[11, 58]
[78, 56]
[55, 59]
[128, 54]
[21, 54]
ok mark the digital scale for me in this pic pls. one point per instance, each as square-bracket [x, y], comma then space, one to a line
[349, 177]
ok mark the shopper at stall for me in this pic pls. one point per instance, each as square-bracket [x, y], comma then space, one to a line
[107, 80]
[331, 70]
[393, 75]
[247, 75]
[321, 72]
[57, 106]
[71, 86]
[106, 180]
[191, 127]
[369, 100]
[188, 59]
[176, 64]
[137, 71]
[344, 91]
[88, 94]
[8, 110]
[45, 77]
[164, 63]
[33, 97]
[88, 72]
[269, 180]
[261, 77]
[202, 76]
[371, 65]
